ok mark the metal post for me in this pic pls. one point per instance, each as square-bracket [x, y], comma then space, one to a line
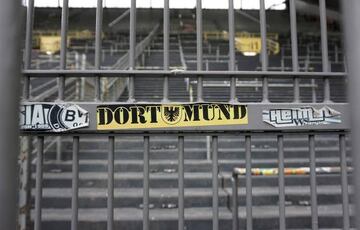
[146, 221]
[28, 46]
[39, 179]
[83, 81]
[344, 182]
[78, 80]
[166, 49]
[249, 221]
[232, 50]
[215, 183]
[25, 177]
[324, 48]
[63, 46]
[313, 189]
[132, 49]
[181, 183]
[110, 200]
[282, 220]
[75, 184]
[352, 37]
[63, 53]
[98, 53]
[208, 148]
[9, 88]
[264, 57]
[294, 50]
[235, 211]
[199, 49]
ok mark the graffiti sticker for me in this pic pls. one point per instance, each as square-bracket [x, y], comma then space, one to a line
[292, 117]
[52, 117]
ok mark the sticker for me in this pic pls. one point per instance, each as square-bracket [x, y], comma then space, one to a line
[52, 117]
[289, 171]
[301, 116]
[145, 116]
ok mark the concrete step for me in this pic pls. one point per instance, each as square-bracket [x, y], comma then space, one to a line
[225, 165]
[198, 142]
[194, 197]
[264, 217]
[170, 180]
[197, 153]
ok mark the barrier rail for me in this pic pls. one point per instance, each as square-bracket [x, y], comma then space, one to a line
[281, 172]
[234, 118]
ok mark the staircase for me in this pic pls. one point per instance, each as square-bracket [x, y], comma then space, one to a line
[128, 182]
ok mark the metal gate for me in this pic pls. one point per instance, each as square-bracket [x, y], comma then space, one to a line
[245, 120]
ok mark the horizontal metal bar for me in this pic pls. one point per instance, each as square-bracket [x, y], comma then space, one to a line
[175, 73]
[176, 133]
[251, 117]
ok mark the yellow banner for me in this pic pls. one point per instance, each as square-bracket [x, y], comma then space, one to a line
[150, 116]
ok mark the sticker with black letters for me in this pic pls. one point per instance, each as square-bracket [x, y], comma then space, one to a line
[152, 116]
[52, 117]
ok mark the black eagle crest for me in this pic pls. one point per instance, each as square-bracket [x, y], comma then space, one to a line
[171, 114]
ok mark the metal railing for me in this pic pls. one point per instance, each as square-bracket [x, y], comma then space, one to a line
[254, 126]
[249, 172]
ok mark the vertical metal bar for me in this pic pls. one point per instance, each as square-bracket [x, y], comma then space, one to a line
[63, 53]
[344, 182]
[110, 199]
[294, 50]
[351, 16]
[249, 224]
[232, 50]
[208, 148]
[75, 184]
[264, 56]
[58, 148]
[215, 183]
[132, 49]
[9, 88]
[146, 222]
[98, 46]
[199, 49]
[181, 183]
[25, 192]
[28, 46]
[282, 220]
[324, 48]
[313, 193]
[63, 47]
[235, 211]
[166, 48]
[39, 179]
